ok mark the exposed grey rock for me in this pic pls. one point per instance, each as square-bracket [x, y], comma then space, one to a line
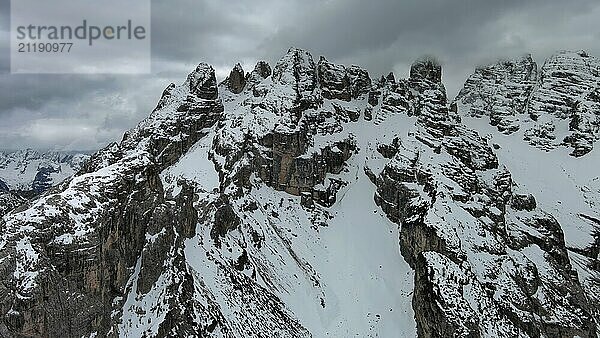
[374, 97]
[425, 71]
[165, 97]
[120, 195]
[236, 81]
[3, 186]
[9, 201]
[334, 81]
[261, 71]
[523, 202]
[203, 82]
[360, 81]
[514, 92]
[341, 83]
[225, 220]
[500, 91]
[389, 78]
[368, 113]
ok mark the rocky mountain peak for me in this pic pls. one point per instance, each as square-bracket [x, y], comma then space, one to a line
[262, 69]
[296, 67]
[203, 82]
[500, 91]
[426, 68]
[236, 81]
[339, 82]
[514, 93]
[390, 77]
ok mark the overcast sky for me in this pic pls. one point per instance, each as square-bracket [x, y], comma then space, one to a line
[84, 112]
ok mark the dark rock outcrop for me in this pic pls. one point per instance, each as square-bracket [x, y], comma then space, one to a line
[9, 201]
[341, 83]
[236, 81]
[261, 71]
[203, 82]
[426, 68]
[3, 186]
[500, 91]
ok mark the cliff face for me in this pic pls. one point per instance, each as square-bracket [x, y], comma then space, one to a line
[302, 200]
[558, 117]
[559, 105]
[500, 91]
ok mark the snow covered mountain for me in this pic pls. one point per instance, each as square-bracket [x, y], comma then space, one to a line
[558, 105]
[310, 200]
[31, 170]
[28, 173]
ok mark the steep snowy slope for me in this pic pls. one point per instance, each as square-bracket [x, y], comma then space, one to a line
[303, 200]
[567, 187]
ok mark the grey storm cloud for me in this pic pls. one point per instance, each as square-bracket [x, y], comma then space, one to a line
[88, 111]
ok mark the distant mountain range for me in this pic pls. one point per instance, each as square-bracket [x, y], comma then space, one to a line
[32, 172]
[27, 173]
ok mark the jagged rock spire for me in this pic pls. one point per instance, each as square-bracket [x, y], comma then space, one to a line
[262, 69]
[296, 67]
[236, 80]
[203, 82]
[426, 68]
[333, 80]
[500, 91]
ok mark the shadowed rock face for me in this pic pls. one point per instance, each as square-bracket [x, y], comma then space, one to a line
[203, 82]
[341, 83]
[262, 69]
[71, 269]
[236, 80]
[207, 219]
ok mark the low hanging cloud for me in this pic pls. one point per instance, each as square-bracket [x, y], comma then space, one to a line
[85, 112]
